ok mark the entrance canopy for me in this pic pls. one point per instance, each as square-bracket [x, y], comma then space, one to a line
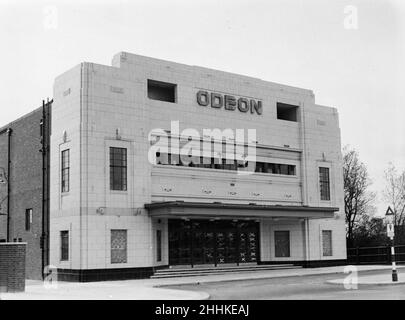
[182, 209]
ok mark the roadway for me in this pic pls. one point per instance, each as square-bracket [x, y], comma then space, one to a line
[306, 287]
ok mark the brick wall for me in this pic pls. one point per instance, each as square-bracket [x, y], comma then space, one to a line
[12, 267]
[25, 179]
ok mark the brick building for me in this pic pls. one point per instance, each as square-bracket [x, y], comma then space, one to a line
[24, 182]
[131, 190]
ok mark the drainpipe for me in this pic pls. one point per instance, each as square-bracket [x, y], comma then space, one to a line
[9, 132]
[44, 150]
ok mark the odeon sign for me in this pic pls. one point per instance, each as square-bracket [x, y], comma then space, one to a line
[229, 102]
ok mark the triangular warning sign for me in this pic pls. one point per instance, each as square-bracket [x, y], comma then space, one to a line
[389, 211]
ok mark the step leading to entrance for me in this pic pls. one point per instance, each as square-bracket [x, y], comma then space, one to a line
[207, 270]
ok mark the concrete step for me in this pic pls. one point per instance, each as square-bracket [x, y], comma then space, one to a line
[191, 272]
[176, 269]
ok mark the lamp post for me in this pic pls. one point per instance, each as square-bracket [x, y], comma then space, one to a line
[389, 214]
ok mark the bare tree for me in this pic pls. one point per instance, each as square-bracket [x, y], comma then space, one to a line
[358, 200]
[394, 193]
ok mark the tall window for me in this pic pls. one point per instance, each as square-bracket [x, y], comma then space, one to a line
[282, 243]
[65, 170]
[324, 183]
[118, 169]
[118, 246]
[159, 245]
[28, 219]
[64, 245]
[327, 242]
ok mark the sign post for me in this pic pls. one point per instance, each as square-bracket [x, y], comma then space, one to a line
[391, 233]
[390, 230]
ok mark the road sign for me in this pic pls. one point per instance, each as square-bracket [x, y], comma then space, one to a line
[389, 211]
[390, 230]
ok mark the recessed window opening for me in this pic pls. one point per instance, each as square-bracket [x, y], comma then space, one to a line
[287, 112]
[28, 219]
[64, 245]
[118, 246]
[159, 245]
[161, 91]
[223, 164]
[118, 169]
[327, 243]
[65, 170]
[324, 183]
[282, 243]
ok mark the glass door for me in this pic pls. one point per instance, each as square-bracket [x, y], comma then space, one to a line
[209, 247]
[179, 242]
[198, 239]
[248, 247]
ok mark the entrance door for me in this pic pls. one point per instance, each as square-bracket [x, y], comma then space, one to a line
[203, 242]
[212, 242]
[179, 242]
[248, 242]
[226, 244]
[209, 247]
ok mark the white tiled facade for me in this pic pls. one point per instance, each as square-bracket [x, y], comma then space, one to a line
[97, 107]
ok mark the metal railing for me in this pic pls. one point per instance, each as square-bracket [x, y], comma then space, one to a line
[375, 255]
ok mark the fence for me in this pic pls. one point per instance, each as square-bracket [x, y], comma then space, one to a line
[375, 255]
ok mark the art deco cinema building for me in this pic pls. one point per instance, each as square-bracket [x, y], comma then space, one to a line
[121, 208]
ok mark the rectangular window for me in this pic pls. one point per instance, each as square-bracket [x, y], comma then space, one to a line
[65, 170]
[287, 112]
[224, 164]
[118, 246]
[324, 183]
[327, 242]
[159, 245]
[28, 219]
[118, 169]
[162, 91]
[282, 243]
[64, 245]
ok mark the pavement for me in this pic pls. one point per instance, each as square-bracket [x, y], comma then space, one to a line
[105, 290]
[154, 289]
[374, 280]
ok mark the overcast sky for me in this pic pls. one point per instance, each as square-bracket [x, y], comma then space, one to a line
[355, 65]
